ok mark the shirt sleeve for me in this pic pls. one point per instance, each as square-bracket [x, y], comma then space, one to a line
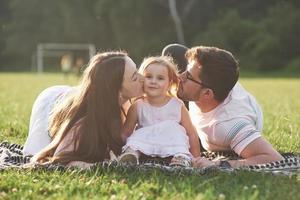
[239, 133]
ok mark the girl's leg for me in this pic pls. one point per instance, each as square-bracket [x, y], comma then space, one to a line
[182, 160]
[130, 156]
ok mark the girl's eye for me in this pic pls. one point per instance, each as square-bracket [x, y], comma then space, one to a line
[148, 76]
[161, 78]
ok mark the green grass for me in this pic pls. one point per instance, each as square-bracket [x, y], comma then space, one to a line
[278, 97]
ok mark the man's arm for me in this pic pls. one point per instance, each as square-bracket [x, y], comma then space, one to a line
[243, 138]
[259, 151]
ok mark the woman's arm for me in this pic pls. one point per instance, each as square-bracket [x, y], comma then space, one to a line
[60, 146]
[191, 132]
[67, 144]
[130, 122]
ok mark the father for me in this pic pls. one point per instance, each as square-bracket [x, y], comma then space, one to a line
[226, 116]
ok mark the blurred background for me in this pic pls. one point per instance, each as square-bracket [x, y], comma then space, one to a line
[263, 35]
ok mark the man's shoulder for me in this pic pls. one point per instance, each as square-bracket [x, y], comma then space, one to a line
[238, 92]
[239, 103]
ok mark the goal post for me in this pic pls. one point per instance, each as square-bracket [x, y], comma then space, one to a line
[55, 50]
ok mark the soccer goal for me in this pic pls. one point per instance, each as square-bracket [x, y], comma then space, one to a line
[50, 50]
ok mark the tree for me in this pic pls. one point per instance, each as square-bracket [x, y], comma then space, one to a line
[261, 34]
[4, 17]
[177, 21]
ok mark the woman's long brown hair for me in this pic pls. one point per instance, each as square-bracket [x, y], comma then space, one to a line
[96, 105]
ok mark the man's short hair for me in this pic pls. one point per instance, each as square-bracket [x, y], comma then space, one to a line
[219, 69]
[177, 52]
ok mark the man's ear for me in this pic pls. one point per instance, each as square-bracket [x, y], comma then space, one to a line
[208, 93]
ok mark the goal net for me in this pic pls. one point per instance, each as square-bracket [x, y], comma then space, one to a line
[76, 53]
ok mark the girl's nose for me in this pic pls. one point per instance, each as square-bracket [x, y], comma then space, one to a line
[153, 80]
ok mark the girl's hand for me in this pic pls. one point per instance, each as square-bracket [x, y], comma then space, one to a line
[203, 162]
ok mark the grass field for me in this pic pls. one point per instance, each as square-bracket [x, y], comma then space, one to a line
[279, 98]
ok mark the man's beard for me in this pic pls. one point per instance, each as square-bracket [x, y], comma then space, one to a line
[180, 92]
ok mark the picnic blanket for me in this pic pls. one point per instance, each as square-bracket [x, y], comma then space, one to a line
[11, 156]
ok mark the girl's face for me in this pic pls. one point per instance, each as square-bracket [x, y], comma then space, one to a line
[156, 80]
[132, 81]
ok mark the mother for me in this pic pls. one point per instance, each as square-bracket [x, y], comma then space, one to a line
[75, 126]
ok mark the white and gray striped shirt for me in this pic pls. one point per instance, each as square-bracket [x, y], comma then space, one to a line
[232, 125]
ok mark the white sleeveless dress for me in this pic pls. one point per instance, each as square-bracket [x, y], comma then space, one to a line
[159, 132]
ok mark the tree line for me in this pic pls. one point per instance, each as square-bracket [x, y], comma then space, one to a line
[263, 35]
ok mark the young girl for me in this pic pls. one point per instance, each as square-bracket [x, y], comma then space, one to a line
[164, 126]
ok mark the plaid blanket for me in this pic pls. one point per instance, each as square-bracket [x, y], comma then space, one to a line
[11, 156]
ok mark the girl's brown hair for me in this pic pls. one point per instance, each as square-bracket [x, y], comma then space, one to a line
[96, 105]
[170, 65]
